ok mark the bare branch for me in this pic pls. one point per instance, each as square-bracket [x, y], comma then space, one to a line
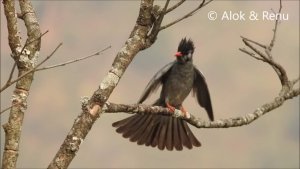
[73, 61]
[257, 43]
[50, 67]
[186, 16]
[248, 118]
[269, 54]
[175, 6]
[11, 73]
[251, 54]
[31, 23]
[293, 82]
[9, 83]
[90, 113]
[197, 122]
[275, 29]
[14, 38]
[266, 56]
[33, 40]
[8, 108]
[13, 127]
[31, 70]
[135, 108]
[158, 20]
[166, 6]
[23, 75]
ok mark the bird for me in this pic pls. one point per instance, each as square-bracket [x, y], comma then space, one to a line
[177, 79]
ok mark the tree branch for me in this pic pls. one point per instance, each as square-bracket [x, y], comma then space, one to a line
[17, 56]
[251, 54]
[266, 56]
[8, 108]
[295, 81]
[158, 15]
[84, 122]
[186, 16]
[11, 73]
[275, 29]
[200, 123]
[31, 70]
[25, 60]
[175, 6]
[23, 75]
[49, 67]
[252, 41]
[14, 38]
[73, 61]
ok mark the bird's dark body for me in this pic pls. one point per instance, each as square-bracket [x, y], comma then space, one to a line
[178, 84]
[177, 78]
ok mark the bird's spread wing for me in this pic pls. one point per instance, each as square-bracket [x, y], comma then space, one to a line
[200, 90]
[158, 79]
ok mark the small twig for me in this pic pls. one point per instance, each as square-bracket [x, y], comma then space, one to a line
[268, 52]
[157, 24]
[166, 6]
[271, 62]
[186, 16]
[9, 82]
[251, 54]
[25, 45]
[295, 81]
[264, 57]
[257, 43]
[175, 6]
[72, 61]
[275, 29]
[267, 55]
[8, 108]
[50, 67]
[28, 43]
[37, 38]
[11, 73]
[53, 66]
[30, 71]
[277, 67]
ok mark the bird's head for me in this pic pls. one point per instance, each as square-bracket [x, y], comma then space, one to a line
[185, 51]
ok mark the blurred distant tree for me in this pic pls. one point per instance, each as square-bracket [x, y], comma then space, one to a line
[144, 34]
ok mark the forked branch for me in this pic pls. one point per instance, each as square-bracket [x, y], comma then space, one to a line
[189, 14]
[265, 55]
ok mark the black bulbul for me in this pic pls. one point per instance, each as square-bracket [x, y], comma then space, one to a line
[177, 78]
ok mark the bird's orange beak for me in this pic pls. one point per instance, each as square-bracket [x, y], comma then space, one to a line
[178, 54]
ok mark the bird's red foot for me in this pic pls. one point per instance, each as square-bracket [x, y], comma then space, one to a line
[171, 108]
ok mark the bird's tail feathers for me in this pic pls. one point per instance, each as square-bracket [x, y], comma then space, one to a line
[157, 131]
